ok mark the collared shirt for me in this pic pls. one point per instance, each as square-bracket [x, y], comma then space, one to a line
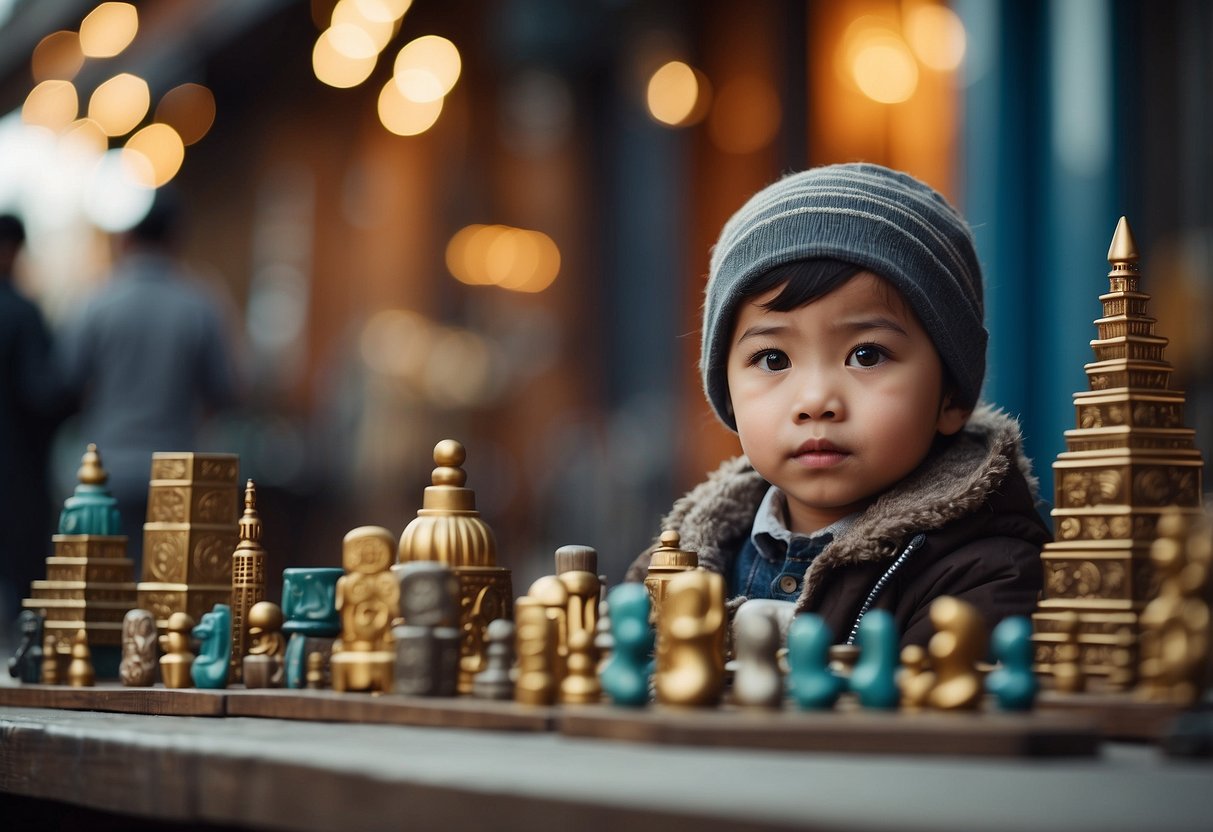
[774, 560]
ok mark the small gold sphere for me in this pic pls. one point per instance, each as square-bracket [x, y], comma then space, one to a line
[91, 471]
[180, 622]
[670, 539]
[449, 453]
[265, 614]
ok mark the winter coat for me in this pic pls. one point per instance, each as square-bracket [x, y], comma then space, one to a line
[963, 523]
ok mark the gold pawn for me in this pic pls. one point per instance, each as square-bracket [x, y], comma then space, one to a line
[50, 660]
[1067, 669]
[80, 671]
[315, 671]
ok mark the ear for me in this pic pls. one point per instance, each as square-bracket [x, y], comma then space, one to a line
[952, 417]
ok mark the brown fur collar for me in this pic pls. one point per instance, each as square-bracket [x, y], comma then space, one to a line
[717, 514]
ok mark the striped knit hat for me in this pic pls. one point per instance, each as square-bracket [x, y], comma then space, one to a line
[882, 220]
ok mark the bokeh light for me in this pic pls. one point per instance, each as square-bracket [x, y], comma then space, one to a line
[57, 57]
[344, 56]
[119, 104]
[114, 201]
[51, 104]
[937, 36]
[403, 116]
[677, 94]
[154, 155]
[884, 69]
[427, 68]
[108, 29]
[745, 115]
[84, 135]
[517, 259]
[370, 16]
[189, 109]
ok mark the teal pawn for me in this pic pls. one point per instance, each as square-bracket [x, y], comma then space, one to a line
[1013, 683]
[812, 684]
[625, 678]
[215, 632]
[874, 679]
[91, 509]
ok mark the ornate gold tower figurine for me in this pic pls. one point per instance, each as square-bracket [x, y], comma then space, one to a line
[368, 600]
[248, 578]
[1128, 459]
[90, 581]
[190, 534]
[448, 529]
[668, 560]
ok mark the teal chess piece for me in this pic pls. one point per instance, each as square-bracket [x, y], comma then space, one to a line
[625, 678]
[91, 509]
[309, 605]
[874, 680]
[1013, 683]
[811, 682]
[209, 670]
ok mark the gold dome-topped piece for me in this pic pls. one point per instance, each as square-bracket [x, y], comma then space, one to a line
[91, 472]
[1123, 251]
[447, 492]
[448, 528]
[671, 554]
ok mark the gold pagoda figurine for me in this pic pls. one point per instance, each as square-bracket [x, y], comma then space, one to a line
[1128, 459]
[190, 534]
[90, 582]
[668, 560]
[448, 529]
[248, 579]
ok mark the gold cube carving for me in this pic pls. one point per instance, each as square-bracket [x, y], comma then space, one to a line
[164, 599]
[188, 553]
[207, 504]
[221, 469]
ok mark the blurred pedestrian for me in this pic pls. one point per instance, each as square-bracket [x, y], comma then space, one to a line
[148, 356]
[32, 403]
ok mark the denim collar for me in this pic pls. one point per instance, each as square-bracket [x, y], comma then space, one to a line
[770, 532]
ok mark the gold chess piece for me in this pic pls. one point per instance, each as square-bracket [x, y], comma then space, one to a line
[315, 671]
[80, 671]
[958, 645]
[535, 636]
[177, 660]
[448, 529]
[690, 644]
[50, 660]
[552, 593]
[368, 600]
[915, 679]
[577, 569]
[580, 684]
[263, 666]
[1068, 676]
[667, 561]
[248, 578]
[1175, 625]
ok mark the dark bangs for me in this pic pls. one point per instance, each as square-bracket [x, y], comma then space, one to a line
[807, 280]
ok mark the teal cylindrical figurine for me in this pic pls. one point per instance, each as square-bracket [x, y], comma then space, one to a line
[215, 632]
[625, 678]
[874, 680]
[1013, 683]
[309, 605]
[812, 684]
[91, 509]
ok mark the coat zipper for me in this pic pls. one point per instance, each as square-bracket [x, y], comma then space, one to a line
[913, 546]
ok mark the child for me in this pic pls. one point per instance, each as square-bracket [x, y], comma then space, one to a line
[843, 341]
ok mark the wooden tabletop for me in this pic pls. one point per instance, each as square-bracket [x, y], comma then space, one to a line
[280, 774]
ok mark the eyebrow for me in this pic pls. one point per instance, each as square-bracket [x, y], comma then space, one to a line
[864, 324]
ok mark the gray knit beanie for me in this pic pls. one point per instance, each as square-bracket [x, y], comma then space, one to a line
[882, 220]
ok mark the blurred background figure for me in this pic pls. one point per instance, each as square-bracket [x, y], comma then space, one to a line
[31, 405]
[147, 357]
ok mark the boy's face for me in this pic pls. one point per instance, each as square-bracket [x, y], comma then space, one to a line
[838, 400]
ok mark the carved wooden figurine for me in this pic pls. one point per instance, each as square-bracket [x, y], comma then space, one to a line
[138, 667]
[958, 644]
[427, 643]
[309, 605]
[178, 658]
[758, 681]
[551, 592]
[368, 600]
[263, 666]
[214, 658]
[690, 644]
[26, 664]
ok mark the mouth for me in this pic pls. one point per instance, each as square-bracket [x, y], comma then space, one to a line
[820, 453]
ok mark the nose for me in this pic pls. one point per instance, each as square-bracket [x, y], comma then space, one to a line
[817, 398]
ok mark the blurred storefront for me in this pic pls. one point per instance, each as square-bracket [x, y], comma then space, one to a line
[493, 221]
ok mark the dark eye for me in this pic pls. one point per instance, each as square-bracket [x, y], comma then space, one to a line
[773, 360]
[865, 355]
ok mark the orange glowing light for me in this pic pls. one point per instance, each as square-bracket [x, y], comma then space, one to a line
[119, 104]
[57, 57]
[937, 36]
[884, 69]
[427, 68]
[154, 155]
[108, 29]
[374, 19]
[745, 115]
[189, 109]
[51, 104]
[403, 116]
[344, 56]
[673, 93]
